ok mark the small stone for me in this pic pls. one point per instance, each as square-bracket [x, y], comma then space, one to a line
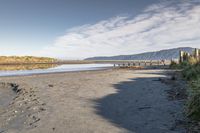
[173, 78]
[50, 85]
[34, 117]
[42, 109]
[43, 104]
[177, 93]
[35, 108]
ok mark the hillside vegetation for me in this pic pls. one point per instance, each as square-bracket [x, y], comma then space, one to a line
[25, 60]
[191, 73]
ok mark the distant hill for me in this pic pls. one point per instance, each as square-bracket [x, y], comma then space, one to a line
[167, 54]
[25, 60]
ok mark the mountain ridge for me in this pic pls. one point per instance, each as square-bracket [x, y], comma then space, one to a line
[166, 54]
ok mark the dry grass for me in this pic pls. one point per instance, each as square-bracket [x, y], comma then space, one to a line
[25, 59]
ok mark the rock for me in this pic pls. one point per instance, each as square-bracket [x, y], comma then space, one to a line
[43, 104]
[173, 78]
[15, 87]
[34, 117]
[42, 109]
[50, 85]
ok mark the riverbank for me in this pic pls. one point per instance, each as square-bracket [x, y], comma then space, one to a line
[190, 73]
[33, 70]
[114, 100]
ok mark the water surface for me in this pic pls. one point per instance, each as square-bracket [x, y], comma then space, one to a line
[16, 70]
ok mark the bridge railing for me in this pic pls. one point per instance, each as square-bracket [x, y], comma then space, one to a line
[142, 63]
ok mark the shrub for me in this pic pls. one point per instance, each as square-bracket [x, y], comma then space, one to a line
[195, 85]
[173, 65]
[193, 110]
[184, 64]
[191, 72]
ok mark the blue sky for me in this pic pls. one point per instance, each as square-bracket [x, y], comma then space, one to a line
[77, 29]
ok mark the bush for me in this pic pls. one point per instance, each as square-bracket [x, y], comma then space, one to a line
[193, 109]
[184, 65]
[191, 72]
[173, 65]
[195, 86]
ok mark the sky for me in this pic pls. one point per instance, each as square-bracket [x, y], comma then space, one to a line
[77, 29]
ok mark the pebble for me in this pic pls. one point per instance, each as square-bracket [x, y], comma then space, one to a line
[50, 85]
[42, 109]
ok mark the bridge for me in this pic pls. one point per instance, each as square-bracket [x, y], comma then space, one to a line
[141, 63]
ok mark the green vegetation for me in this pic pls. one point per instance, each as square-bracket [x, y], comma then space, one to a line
[191, 72]
[25, 60]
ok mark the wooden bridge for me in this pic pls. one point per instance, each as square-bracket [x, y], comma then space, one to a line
[183, 56]
[141, 63]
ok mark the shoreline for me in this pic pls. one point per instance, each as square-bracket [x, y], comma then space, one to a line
[73, 71]
[77, 101]
[46, 63]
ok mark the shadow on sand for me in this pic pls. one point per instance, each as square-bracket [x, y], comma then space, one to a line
[140, 105]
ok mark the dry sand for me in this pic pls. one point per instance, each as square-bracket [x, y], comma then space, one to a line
[106, 101]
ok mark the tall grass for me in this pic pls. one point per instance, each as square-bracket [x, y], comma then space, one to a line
[191, 72]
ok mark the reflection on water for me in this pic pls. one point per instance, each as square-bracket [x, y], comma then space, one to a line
[17, 70]
[26, 67]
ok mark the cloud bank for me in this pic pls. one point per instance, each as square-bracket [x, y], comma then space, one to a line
[164, 25]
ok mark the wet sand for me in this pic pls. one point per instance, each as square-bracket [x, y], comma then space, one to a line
[114, 101]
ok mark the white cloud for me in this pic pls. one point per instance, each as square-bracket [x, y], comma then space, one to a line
[159, 26]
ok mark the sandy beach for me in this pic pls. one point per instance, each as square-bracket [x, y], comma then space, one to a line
[104, 101]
